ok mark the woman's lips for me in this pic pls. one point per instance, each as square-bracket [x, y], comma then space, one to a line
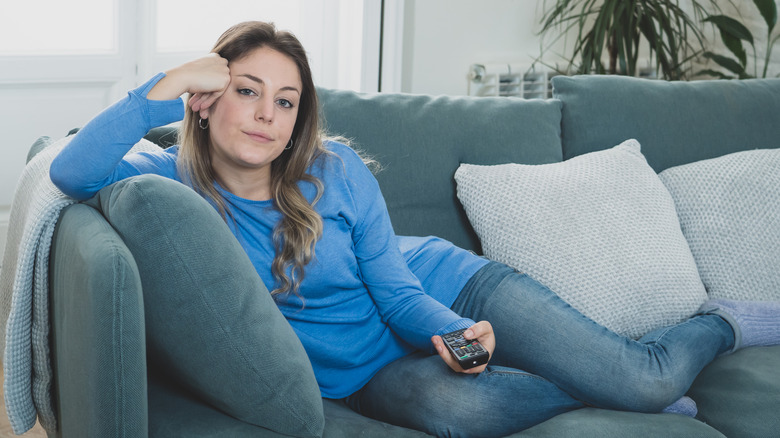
[259, 136]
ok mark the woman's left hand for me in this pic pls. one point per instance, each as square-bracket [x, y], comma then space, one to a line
[481, 331]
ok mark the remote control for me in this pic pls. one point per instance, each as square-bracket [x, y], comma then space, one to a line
[468, 353]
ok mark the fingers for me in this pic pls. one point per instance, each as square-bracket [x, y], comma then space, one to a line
[479, 330]
[195, 102]
[206, 75]
[210, 98]
[208, 80]
[202, 101]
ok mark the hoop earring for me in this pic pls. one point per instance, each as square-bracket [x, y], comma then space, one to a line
[201, 125]
[289, 146]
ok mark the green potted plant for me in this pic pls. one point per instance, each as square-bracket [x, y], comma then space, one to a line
[614, 30]
[733, 34]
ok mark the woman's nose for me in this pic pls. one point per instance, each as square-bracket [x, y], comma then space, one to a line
[265, 109]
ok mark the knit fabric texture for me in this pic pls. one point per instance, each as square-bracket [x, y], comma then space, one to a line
[729, 209]
[599, 229]
[24, 292]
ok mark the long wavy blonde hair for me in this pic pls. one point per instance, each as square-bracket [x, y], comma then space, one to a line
[297, 233]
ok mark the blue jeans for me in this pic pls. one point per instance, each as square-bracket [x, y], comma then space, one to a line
[568, 362]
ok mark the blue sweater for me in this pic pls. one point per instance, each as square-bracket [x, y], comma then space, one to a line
[365, 304]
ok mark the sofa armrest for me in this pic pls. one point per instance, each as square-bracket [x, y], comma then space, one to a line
[98, 337]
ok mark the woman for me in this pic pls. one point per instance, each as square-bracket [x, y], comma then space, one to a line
[313, 221]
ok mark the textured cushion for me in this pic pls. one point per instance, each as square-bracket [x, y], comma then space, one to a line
[676, 122]
[420, 141]
[600, 230]
[729, 209]
[211, 325]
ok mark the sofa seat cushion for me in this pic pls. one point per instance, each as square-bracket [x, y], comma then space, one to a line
[729, 209]
[175, 412]
[676, 122]
[739, 394]
[600, 230]
[602, 423]
[211, 324]
[419, 141]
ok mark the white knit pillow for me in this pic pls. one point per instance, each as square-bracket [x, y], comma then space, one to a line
[729, 209]
[599, 229]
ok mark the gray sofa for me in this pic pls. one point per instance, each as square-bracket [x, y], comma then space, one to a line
[108, 384]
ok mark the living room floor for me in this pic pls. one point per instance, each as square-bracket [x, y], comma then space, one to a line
[5, 425]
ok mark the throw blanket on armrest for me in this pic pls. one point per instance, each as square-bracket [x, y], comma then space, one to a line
[24, 292]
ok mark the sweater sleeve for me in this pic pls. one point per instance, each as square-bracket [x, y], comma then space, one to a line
[95, 157]
[398, 295]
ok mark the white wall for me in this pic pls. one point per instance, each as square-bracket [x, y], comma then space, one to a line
[751, 18]
[442, 38]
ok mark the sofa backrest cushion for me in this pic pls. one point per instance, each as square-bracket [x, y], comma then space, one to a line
[675, 122]
[728, 209]
[211, 324]
[421, 140]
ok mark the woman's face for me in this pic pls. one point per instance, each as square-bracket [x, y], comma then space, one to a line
[252, 122]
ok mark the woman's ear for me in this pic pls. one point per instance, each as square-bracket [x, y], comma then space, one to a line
[204, 113]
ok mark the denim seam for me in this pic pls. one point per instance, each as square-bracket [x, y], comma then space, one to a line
[510, 372]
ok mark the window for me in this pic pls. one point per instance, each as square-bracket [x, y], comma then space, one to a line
[45, 27]
[332, 31]
[341, 36]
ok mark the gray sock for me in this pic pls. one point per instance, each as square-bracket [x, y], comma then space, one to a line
[755, 323]
[684, 406]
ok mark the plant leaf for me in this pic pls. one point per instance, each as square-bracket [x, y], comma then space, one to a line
[731, 26]
[735, 46]
[714, 73]
[768, 10]
[725, 62]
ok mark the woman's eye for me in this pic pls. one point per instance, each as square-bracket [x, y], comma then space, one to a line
[246, 92]
[284, 103]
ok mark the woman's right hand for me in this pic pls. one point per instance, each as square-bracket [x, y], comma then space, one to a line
[481, 331]
[205, 79]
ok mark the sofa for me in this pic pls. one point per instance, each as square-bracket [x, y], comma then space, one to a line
[115, 377]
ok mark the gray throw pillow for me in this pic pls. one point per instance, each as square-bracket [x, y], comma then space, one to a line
[600, 230]
[211, 325]
[729, 209]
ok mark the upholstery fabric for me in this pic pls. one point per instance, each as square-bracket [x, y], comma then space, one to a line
[97, 316]
[602, 423]
[600, 230]
[729, 209]
[738, 393]
[676, 122]
[419, 141]
[211, 324]
[174, 412]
